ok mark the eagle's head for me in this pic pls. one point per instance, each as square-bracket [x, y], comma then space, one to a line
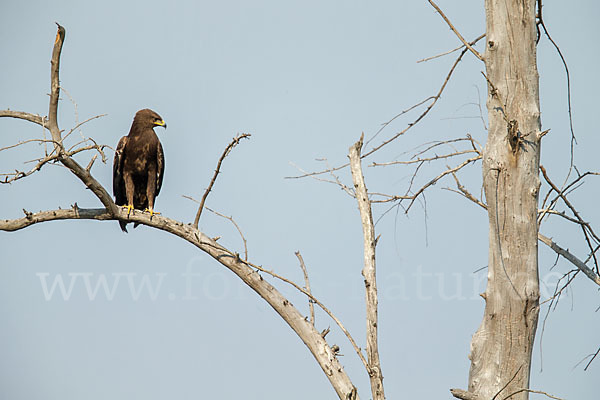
[147, 118]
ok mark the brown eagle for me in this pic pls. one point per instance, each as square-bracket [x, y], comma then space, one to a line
[139, 165]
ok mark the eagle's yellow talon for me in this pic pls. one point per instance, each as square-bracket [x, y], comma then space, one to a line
[129, 208]
[151, 211]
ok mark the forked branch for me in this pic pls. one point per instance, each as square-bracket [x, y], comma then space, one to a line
[460, 37]
[586, 228]
[51, 123]
[247, 272]
[432, 102]
[311, 307]
[566, 254]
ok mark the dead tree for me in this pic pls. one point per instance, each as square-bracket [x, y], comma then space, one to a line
[502, 346]
[251, 274]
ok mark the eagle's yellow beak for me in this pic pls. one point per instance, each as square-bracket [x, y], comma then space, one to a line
[161, 123]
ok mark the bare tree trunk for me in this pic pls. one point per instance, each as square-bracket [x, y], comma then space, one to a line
[501, 348]
[368, 272]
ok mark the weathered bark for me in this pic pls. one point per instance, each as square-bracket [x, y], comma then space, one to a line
[501, 348]
[368, 272]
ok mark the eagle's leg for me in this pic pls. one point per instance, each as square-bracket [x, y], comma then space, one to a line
[151, 190]
[129, 189]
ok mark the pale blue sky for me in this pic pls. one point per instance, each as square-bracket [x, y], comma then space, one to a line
[305, 79]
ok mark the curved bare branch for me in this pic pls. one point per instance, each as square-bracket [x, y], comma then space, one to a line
[317, 345]
[36, 119]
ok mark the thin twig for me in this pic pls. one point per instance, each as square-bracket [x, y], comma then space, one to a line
[12, 146]
[438, 143]
[449, 51]
[421, 160]
[462, 39]
[562, 214]
[345, 188]
[554, 300]
[581, 265]
[532, 391]
[321, 305]
[440, 176]
[426, 159]
[236, 227]
[226, 217]
[584, 225]
[72, 100]
[14, 176]
[410, 125]
[401, 113]
[463, 191]
[565, 190]
[91, 163]
[593, 357]
[424, 113]
[564, 61]
[390, 198]
[228, 149]
[306, 286]
[507, 383]
[337, 182]
[81, 124]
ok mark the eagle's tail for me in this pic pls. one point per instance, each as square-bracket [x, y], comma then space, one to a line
[123, 225]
